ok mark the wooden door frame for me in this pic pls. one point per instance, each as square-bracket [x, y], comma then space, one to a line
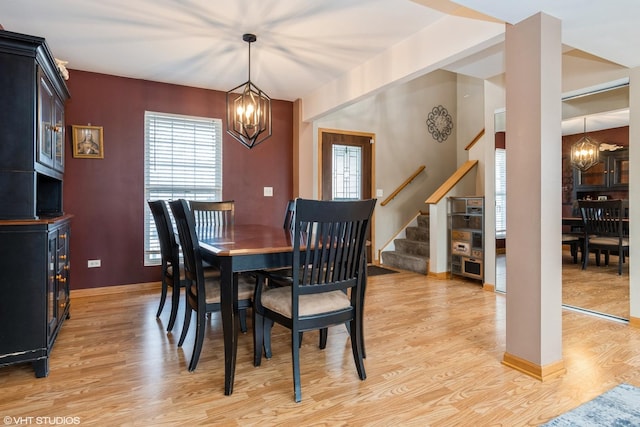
[372, 136]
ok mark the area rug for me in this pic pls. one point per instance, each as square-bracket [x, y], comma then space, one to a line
[376, 270]
[619, 406]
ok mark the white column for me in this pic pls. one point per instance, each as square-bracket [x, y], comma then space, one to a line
[634, 200]
[534, 216]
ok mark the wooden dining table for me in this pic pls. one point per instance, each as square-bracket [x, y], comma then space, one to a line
[235, 249]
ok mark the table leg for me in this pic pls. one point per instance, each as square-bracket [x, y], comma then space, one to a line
[229, 309]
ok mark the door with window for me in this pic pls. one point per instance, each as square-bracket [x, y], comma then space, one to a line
[346, 168]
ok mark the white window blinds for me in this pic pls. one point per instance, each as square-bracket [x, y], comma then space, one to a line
[501, 193]
[183, 159]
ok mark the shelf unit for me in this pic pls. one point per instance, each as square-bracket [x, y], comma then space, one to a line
[466, 236]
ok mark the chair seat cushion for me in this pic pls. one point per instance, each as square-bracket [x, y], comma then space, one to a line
[212, 288]
[570, 238]
[612, 241]
[279, 300]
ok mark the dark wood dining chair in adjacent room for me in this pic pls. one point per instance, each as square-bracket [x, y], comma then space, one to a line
[604, 230]
[574, 241]
[202, 294]
[327, 281]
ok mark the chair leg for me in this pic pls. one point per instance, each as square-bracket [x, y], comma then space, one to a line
[242, 313]
[295, 358]
[197, 346]
[258, 338]
[185, 323]
[585, 255]
[175, 302]
[266, 329]
[324, 332]
[357, 348]
[163, 297]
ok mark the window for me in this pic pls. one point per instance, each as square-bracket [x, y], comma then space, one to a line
[347, 161]
[183, 159]
[501, 193]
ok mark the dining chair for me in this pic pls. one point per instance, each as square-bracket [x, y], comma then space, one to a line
[289, 214]
[574, 241]
[213, 213]
[202, 294]
[327, 281]
[604, 230]
[170, 259]
[172, 268]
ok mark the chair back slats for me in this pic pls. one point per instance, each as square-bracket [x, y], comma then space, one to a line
[331, 247]
[169, 249]
[289, 215]
[213, 214]
[602, 217]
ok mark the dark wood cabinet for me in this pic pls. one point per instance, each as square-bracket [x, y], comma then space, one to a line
[32, 98]
[612, 172]
[34, 289]
[34, 231]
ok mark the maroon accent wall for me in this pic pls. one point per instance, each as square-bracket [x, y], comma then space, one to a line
[619, 136]
[106, 196]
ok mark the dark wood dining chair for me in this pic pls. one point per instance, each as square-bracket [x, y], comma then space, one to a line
[289, 214]
[202, 294]
[170, 259]
[213, 213]
[327, 282]
[574, 241]
[604, 230]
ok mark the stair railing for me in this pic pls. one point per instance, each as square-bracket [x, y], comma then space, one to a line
[403, 185]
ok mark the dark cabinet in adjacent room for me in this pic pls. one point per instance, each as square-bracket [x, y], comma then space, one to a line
[34, 230]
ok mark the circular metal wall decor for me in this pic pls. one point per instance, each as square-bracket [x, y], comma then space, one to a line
[439, 123]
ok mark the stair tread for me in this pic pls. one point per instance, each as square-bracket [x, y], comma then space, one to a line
[407, 255]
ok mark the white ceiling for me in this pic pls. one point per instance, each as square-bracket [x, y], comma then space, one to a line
[301, 45]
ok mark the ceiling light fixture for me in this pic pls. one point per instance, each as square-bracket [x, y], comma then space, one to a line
[585, 152]
[248, 109]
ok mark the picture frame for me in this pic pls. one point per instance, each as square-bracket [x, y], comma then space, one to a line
[87, 142]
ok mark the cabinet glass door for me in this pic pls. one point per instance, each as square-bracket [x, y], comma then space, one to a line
[52, 312]
[596, 175]
[620, 171]
[46, 123]
[58, 135]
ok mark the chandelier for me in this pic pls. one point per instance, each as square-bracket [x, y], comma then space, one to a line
[585, 152]
[248, 109]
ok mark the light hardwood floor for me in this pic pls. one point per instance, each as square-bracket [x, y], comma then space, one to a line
[598, 288]
[434, 351]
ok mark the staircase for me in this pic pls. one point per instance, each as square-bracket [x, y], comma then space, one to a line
[411, 253]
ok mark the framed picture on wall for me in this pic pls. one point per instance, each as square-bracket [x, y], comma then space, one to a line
[87, 142]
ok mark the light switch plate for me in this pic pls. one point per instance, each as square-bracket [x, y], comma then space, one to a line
[379, 192]
[268, 191]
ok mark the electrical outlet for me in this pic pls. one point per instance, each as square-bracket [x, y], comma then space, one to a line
[93, 263]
